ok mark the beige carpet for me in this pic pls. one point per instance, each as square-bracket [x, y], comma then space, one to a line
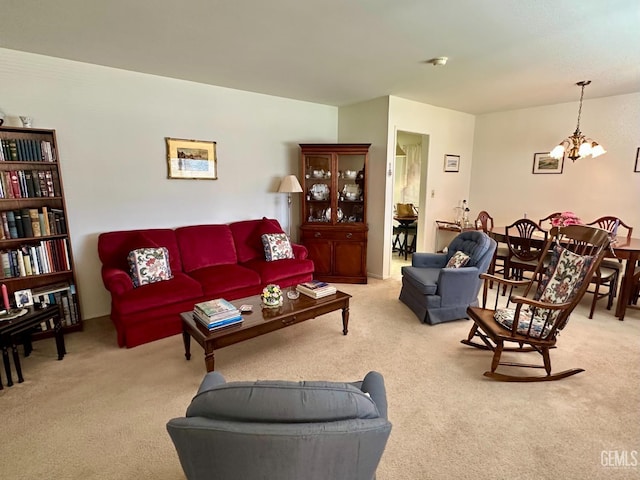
[101, 412]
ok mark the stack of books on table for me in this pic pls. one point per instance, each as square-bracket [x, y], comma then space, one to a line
[216, 313]
[316, 289]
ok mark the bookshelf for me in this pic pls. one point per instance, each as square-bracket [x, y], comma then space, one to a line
[35, 246]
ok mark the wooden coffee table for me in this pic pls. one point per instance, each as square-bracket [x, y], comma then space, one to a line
[260, 321]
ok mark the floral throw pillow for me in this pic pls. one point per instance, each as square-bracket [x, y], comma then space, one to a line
[149, 265]
[459, 259]
[276, 247]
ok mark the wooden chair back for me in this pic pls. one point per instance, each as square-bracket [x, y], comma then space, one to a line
[484, 221]
[543, 221]
[525, 240]
[611, 223]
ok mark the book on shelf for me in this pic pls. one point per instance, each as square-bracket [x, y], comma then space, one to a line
[316, 289]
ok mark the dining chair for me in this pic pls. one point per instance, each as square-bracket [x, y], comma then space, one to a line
[525, 241]
[610, 269]
[484, 222]
[543, 221]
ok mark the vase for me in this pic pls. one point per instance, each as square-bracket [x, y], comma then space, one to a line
[271, 302]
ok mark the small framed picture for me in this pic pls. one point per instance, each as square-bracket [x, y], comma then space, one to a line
[543, 163]
[637, 167]
[451, 163]
[191, 159]
[23, 298]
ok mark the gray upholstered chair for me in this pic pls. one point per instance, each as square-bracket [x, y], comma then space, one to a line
[438, 294]
[283, 430]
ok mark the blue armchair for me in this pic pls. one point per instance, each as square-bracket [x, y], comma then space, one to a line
[283, 430]
[437, 294]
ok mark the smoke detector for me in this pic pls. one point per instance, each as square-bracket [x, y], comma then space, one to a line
[438, 61]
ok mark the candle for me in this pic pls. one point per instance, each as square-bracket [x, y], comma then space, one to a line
[5, 297]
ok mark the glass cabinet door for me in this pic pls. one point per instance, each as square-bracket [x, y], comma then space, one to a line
[351, 181]
[317, 187]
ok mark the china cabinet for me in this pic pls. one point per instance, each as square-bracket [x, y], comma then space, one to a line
[334, 210]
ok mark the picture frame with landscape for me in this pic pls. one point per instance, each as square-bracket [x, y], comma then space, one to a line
[191, 159]
[451, 163]
[543, 163]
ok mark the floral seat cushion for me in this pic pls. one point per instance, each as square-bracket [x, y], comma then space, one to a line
[561, 281]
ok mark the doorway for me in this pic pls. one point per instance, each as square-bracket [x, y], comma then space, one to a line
[408, 187]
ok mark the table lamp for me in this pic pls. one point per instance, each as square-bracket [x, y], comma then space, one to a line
[289, 185]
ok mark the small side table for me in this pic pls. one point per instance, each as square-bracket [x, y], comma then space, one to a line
[10, 329]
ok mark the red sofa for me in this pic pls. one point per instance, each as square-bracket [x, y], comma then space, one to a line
[207, 261]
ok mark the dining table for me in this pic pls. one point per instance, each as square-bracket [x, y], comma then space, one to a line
[622, 248]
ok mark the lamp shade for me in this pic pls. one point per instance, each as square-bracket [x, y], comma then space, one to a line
[290, 184]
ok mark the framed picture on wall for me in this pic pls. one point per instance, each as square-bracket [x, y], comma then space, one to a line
[543, 163]
[451, 163]
[637, 167]
[191, 159]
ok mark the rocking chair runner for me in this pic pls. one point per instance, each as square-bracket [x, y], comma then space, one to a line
[534, 323]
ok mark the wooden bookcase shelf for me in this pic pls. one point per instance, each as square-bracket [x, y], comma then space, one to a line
[35, 246]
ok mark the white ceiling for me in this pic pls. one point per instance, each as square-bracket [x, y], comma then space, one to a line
[503, 54]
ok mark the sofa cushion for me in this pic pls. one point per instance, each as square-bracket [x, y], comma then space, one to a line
[276, 247]
[273, 272]
[283, 402]
[154, 295]
[218, 279]
[247, 236]
[206, 245]
[114, 247]
[149, 265]
[425, 280]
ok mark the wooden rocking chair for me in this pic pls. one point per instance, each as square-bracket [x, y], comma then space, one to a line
[533, 323]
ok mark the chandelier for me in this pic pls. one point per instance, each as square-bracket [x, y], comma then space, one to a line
[577, 145]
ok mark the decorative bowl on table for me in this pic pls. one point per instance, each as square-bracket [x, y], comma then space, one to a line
[271, 296]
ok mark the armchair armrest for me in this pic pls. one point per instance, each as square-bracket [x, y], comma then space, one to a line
[116, 281]
[460, 284]
[211, 380]
[429, 260]
[299, 251]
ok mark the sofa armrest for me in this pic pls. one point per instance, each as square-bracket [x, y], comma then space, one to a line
[116, 281]
[299, 251]
[429, 260]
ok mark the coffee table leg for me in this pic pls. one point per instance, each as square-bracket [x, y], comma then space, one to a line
[208, 358]
[186, 339]
[345, 320]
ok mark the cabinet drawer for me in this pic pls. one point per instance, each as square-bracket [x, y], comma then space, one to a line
[358, 236]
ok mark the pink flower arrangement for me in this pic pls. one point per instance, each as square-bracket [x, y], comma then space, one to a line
[565, 219]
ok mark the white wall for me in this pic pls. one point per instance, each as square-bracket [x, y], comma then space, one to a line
[502, 179]
[449, 132]
[111, 126]
[366, 122]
